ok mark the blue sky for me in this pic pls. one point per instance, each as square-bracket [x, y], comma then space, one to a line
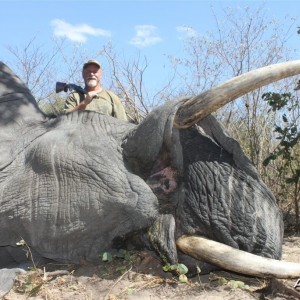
[151, 28]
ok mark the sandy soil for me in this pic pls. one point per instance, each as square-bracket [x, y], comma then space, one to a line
[140, 276]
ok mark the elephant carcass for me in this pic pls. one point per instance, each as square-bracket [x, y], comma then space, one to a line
[70, 186]
[64, 188]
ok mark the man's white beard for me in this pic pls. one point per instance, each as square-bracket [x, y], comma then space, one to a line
[91, 82]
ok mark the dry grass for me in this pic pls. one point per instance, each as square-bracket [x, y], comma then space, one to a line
[143, 278]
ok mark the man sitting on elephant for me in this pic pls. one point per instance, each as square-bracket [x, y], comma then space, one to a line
[97, 98]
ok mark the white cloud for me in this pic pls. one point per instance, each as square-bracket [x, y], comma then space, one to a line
[76, 33]
[145, 36]
[186, 32]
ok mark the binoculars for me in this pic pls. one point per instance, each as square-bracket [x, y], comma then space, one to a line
[66, 87]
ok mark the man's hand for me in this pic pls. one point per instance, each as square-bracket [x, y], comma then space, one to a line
[89, 97]
[87, 100]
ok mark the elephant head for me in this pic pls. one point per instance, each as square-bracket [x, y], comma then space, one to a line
[73, 185]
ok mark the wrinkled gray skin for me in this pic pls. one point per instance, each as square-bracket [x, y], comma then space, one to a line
[71, 185]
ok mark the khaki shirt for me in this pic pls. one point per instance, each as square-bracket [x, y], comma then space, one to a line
[105, 102]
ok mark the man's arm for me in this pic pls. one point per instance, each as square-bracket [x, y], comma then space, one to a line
[71, 102]
[74, 101]
[80, 106]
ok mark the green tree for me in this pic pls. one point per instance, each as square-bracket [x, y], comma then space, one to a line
[287, 150]
[243, 39]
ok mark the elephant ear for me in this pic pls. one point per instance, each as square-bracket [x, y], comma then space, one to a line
[18, 112]
[149, 141]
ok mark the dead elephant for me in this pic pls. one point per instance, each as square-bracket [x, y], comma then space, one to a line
[73, 185]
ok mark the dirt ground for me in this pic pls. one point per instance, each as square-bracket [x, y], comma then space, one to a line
[140, 276]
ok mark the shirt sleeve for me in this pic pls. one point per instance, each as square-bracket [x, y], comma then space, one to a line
[118, 108]
[72, 101]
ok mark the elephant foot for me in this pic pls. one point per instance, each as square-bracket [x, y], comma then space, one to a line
[162, 238]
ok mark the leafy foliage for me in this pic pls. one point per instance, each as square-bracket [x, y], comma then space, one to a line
[288, 135]
[179, 269]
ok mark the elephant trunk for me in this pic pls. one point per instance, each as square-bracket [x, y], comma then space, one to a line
[236, 260]
[197, 108]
